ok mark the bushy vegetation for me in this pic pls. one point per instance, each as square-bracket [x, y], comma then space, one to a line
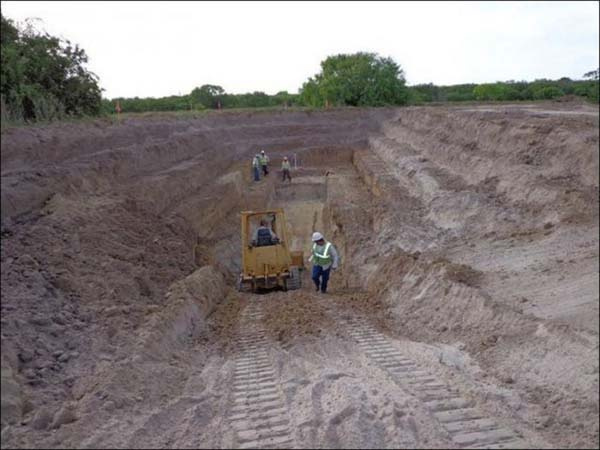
[259, 100]
[507, 91]
[203, 97]
[427, 93]
[136, 104]
[536, 90]
[43, 77]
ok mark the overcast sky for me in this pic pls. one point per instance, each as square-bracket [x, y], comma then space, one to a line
[153, 49]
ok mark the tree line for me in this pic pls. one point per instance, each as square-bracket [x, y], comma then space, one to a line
[204, 97]
[317, 93]
[44, 78]
[542, 89]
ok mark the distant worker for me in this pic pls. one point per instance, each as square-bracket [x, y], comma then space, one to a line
[263, 235]
[324, 258]
[256, 167]
[264, 160]
[285, 167]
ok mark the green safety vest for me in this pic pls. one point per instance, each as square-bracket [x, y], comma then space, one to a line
[264, 160]
[285, 165]
[321, 256]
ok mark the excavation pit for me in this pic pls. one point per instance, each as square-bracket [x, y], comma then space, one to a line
[121, 247]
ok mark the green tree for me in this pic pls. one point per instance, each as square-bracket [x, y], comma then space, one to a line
[592, 74]
[208, 95]
[309, 93]
[44, 77]
[359, 79]
[284, 98]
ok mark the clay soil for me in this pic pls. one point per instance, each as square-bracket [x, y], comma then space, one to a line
[469, 245]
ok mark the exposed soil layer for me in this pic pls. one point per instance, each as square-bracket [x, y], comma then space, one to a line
[464, 312]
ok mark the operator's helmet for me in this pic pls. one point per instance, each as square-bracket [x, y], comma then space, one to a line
[285, 158]
[262, 151]
[317, 236]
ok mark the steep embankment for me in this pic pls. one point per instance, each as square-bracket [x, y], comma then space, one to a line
[485, 232]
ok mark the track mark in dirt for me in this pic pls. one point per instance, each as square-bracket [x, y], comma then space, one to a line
[258, 413]
[468, 427]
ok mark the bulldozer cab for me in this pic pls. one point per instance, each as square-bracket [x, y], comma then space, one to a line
[267, 260]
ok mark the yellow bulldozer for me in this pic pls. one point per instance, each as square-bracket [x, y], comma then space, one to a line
[267, 261]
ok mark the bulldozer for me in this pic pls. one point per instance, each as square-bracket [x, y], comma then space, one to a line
[267, 261]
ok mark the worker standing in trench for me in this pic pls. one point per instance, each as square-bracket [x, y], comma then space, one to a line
[285, 168]
[256, 167]
[264, 161]
[324, 257]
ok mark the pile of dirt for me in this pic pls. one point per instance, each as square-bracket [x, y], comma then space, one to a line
[460, 273]
[290, 317]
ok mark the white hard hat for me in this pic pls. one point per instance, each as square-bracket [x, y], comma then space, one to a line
[262, 151]
[317, 236]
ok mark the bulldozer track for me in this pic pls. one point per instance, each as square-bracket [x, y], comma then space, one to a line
[467, 427]
[258, 414]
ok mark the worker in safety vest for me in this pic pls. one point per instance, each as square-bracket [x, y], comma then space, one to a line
[264, 160]
[256, 167]
[324, 258]
[285, 167]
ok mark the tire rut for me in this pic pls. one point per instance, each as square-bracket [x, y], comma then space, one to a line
[259, 414]
[466, 425]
